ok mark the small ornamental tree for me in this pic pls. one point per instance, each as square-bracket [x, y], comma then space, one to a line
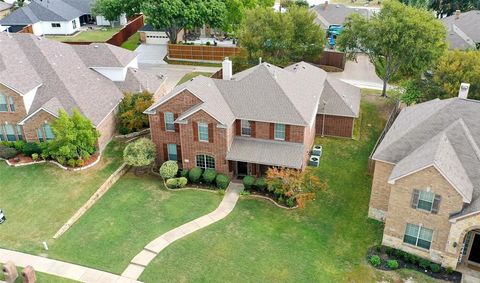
[169, 169]
[140, 153]
[130, 112]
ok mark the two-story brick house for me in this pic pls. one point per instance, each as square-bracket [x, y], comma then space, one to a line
[426, 185]
[38, 77]
[242, 124]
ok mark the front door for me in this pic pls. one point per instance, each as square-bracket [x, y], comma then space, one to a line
[242, 169]
[474, 256]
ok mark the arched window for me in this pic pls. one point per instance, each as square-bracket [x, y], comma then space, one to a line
[205, 161]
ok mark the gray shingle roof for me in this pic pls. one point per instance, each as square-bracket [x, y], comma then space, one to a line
[340, 99]
[5, 6]
[66, 81]
[139, 80]
[455, 120]
[336, 14]
[463, 30]
[267, 152]
[104, 55]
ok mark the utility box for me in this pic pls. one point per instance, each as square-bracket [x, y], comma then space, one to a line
[314, 161]
[10, 272]
[317, 150]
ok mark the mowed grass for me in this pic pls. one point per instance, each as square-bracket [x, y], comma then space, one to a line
[258, 242]
[135, 211]
[41, 278]
[38, 199]
[192, 75]
[98, 35]
[132, 43]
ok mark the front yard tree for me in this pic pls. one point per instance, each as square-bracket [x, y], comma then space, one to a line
[109, 9]
[75, 136]
[130, 113]
[140, 153]
[175, 15]
[402, 38]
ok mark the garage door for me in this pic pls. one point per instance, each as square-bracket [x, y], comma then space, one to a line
[156, 38]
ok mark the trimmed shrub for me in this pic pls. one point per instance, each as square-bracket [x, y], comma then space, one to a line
[222, 181]
[169, 169]
[248, 182]
[31, 148]
[19, 145]
[375, 260]
[61, 160]
[7, 152]
[261, 184]
[175, 183]
[413, 259]
[290, 202]
[423, 263]
[209, 176]
[449, 270]
[35, 157]
[389, 250]
[71, 162]
[171, 183]
[182, 182]
[392, 264]
[80, 162]
[195, 174]
[184, 173]
[435, 268]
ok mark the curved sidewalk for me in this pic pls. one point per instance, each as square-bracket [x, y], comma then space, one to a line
[150, 251]
[62, 269]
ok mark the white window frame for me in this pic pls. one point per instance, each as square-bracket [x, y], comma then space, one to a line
[422, 198]
[40, 135]
[47, 137]
[171, 148]
[277, 131]
[203, 136]
[247, 126]
[11, 104]
[205, 164]
[417, 237]
[56, 25]
[3, 102]
[169, 118]
[10, 132]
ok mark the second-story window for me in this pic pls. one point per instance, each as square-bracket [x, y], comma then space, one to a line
[169, 122]
[426, 200]
[203, 132]
[280, 132]
[246, 128]
[12, 105]
[3, 103]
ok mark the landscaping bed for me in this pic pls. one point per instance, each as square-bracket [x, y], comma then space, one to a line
[387, 258]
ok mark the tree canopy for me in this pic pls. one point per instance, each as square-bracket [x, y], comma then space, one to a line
[236, 10]
[402, 38]
[282, 38]
[140, 153]
[175, 15]
[130, 112]
[109, 9]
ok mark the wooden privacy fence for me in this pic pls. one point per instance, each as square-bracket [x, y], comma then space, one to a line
[201, 52]
[332, 58]
[127, 31]
[27, 29]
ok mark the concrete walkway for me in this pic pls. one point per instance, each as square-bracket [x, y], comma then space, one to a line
[61, 269]
[150, 251]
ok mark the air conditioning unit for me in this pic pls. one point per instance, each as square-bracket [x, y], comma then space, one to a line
[314, 161]
[317, 150]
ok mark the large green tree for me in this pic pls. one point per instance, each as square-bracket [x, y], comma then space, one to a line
[282, 38]
[448, 7]
[109, 9]
[403, 39]
[130, 113]
[236, 10]
[175, 15]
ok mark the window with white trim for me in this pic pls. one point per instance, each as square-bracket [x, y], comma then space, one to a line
[12, 105]
[3, 103]
[10, 132]
[56, 25]
[74, 24]
[169, 121]
[203, 132]
[172, 152]
[48, 132]
[425, 200]
[40, 135]
[418, 235]
[246, 128]
[205, 161]
[20, 132]
[280, 132]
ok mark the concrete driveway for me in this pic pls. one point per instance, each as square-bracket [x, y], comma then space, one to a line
[360, 74]
[151, 53]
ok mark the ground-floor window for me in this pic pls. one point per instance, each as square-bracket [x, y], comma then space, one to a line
[48, 132]
[172, 152]
[205, 161]
[20, 132]
[40, 135]
[10, 132]
[418, 236]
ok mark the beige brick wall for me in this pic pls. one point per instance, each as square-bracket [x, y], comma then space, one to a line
[400, 212]
[380, 194]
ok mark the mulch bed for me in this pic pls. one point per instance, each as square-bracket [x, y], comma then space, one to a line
[381, 252]
[23, 159]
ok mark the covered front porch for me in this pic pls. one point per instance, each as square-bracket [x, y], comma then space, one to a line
[469, 260]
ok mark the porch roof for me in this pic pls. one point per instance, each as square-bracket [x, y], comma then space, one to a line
[267, 152]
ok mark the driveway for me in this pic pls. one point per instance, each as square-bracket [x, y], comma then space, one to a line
[360, 74]
[151, 53]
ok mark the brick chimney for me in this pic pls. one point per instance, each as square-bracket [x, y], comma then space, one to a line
[325, 6]
[457, 14]
[463, 92]
[227, 70]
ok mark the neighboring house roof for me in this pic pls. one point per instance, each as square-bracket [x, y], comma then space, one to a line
[267, 152]
[48, 11]
[139, 80]
[63, 77]
[335, 14]
[440, 133]
[104, 55]
[464, 31]
[340, 99]
[5, 6]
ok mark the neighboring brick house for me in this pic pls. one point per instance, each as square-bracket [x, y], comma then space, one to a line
[242, 124]
[426, 184]
[38, 77]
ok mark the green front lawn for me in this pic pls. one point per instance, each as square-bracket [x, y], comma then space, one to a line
[134, 212]
[38, 199]
[41, 278]
[99, 35]
[192, 75]
[132, 43]
[258, 242]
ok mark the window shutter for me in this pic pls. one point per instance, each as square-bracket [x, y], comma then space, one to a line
[253, 129]
[415, 197]
[210, 132]
[195, 131]
[272, 131]
[287, 132]
[165, 152]
[436, 204]
[179, 153]
[162, 121]
[177, 126]
[238, 127]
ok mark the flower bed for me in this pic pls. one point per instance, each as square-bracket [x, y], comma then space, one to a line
[387, 258]
[23, 160]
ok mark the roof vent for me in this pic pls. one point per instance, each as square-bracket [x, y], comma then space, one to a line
[457, 14]
[227, 69]
[463, 92]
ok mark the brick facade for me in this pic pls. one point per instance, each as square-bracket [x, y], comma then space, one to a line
[380, 194]
[12, 117]
[35, 122]
[335, 126]
[107, 129]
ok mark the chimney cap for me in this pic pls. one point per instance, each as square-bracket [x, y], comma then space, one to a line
[463, 91]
